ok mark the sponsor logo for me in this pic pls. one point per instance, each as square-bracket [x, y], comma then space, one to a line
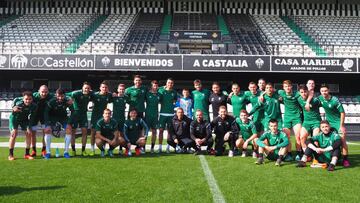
[2, 61]
[259, 63]
[50, 62]
[348, 64]
[105, 61]
[19, 61]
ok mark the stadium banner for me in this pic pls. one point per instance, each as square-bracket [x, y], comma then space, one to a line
[4, 61]
[314, 64]
[51, 62]
[139, 62]
[189, 34]
[231, 63]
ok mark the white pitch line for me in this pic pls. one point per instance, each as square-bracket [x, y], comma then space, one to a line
[351, 143]
[214, 188]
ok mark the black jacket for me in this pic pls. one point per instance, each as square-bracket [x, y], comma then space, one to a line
[221, 127]
[200, 130]
[180, 129]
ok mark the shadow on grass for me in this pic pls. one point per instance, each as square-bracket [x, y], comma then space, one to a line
[13, 190]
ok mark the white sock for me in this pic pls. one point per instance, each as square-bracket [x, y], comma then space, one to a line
[48, 143]
[93, 148]
[304, 158]
[334, 160]
[160, 147]
[67, 143]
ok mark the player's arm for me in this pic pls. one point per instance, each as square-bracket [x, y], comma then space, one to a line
[47, 110]
[235, 129]
[145, 126]
[208, 131]
[254, 134]
[99, 136]
[260, 141]
[284, 142]
[192, 130]
[125, 133]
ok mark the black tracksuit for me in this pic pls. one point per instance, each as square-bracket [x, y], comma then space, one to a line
[221, 127]
[217, 100]
[201, 130]
[180, 130]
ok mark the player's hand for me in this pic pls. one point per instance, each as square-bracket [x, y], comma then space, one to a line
[17, 109]
[231, 94]
[245, 145]
[70, 102]
[342, 130]
[203, 140]
[261, 98]
[176, 141]
[198, 141]
[226, 136]
[307, 106]
[129, 146]
[319, 150]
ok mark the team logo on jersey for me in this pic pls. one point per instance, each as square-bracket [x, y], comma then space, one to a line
[105, 61]
[347, 65]
[2, 61]
[329, 105]
[259, 63]
[19, 61]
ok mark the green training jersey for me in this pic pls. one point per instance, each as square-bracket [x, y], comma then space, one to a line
[314, 114]
[258, 113]
[326, 140]
[41, 103]
[292, 107]
[26, 113]
[167, 101]
[238, 102]
[279, 139]
[133, 129]
[246, 129]
[80, 100]
[119, 106]
[272, 106]
[55, 111]
[100, 102]
[201, 101]
[107, 129]
[152, 104]
[332, 108]
[136, 97]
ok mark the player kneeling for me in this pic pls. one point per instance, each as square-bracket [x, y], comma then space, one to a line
[247, 133]
[107, 131]
[200, 132]
[135, 133]
[273, 143]
[325, 147]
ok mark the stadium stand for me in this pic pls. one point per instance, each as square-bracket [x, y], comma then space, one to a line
[194, 21]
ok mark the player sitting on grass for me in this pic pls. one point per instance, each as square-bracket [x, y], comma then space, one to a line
[22, 112]
[107, 131]
[200, 132]
[133, 129]
[180, 132]
[56, 114]
[246, 130]
[325, 147]
[222, 126]
[273, 143]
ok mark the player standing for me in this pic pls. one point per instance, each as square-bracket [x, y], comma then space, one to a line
[217, 99]
[237, 100]
[152, 112]
[201, 99]
[257, 113]
[136, 95]
[119, 101]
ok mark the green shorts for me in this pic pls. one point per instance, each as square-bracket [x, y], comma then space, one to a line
[152, 122]
[290, 122]
[78, 120]
[36, 120]
[259, 126]
[14, 124]
[94, 119]
[336, 125]
[165, 121]
[273, 155]
[266, 124]
[309, 127]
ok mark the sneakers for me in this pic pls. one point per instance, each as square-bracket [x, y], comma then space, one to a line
[309, 159]
[137, 151]
[33, 154]
[127, 152]
[278, 162]
[243, 154]
[110, 153]
[178, 149]
[28, 156]
[168, 149]
[331, 167]
[84, 153]
[301, 164]
[152, 151]
[316, 164]
[102, 153]
[288, 158]
[254, 155]
[66, 155]
[260, 161]
[11, 158]
[211, 151]
[120, 152]
[297, 158]
[197, 152]
[43, 153]
[346, 163]
[72, 153]
[92, 153]
[142, 150]
[190, 151]
[231, 153]
[160, 150]
[47, 156]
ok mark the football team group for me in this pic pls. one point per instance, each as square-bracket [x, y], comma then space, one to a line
[186, 119]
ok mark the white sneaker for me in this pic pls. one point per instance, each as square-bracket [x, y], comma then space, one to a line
[254, 155]
[168, 149]
[142, 150]
[243, 154]
[152, 150]
[231, 153]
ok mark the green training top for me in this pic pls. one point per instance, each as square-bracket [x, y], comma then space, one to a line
[152, 104]
[279, 139]
[246, 129]
[107, 129]
[326, 140]
[133, 128]
[238, 103]
[332, 108]
[201, 101]
[119, 106]
[100, 102]
[41, 103]
[27, 112]
[314, 114]
[258, 113]
[55, 111]
[167, 101]
[272, 106]
[292, 107]
[136, 97]
[80, 100]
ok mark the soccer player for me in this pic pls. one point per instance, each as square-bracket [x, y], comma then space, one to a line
[292, 116]
[78, 117]
[200, 132]
[180, 132]
[273, 143]
[100, 100]
[325, 147]
[217, 99]
[152, 112]
[119, 101]
[107, 131]
[311, 88]
[237, 100]
[201, 99]
[23, 111]
[335, 114]
[222, 126]
[262, 84]
[135, 133]
[247, 132]
[40, 98]
[136, 95]
[168, 97]
[55, 112]
[257, 113]
[312, 119]
[186, 103]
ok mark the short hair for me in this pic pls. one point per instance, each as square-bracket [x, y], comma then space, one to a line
[86, 83]
[324, 85]
[137, 76]
[185, 89]
[154, 82]
[273, 121]
[132, 109]
[121, 85]
[269, 84]
[252, 83]
[198, 110]
[171, 79]
[27, 93]
[60, 91]
[179, 108]
[261, 79]
[324, 122]
[303, 87]
[216, 83]
[244, 111]
[107, 110]
[197, 81]
[222, 107]
[235, 84]
[105, 82]
[287, 82]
